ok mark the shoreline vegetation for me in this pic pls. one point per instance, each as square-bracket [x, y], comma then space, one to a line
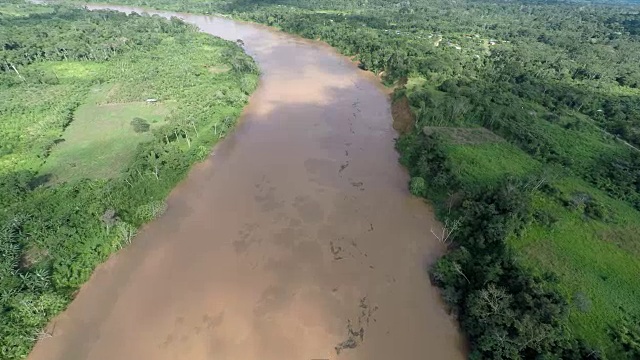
[101, 115]
[523, 134]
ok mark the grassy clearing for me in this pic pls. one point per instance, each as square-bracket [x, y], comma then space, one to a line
[486, 163]
[596, 261]
[101, 141]
[68, 114]
[596, 258]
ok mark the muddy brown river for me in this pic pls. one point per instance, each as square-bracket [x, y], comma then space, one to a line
[297, 239]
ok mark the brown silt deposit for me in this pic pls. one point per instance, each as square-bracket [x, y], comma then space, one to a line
[297, 239]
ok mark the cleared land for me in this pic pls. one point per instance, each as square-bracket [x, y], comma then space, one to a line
[588, 239]
[84, 159]
[595, 259]
[101, 140]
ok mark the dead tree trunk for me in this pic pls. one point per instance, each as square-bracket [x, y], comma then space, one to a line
[17, 72]
[447, 231]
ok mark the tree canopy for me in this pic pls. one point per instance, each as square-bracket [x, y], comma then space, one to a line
[60, 68]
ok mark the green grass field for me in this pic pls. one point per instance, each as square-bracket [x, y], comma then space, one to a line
[485, 164]
[101, 141]
[595, 259]
[79, 126]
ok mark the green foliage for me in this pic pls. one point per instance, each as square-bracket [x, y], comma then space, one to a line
[628, 336]
[589, 256]
[150, 211]
[418, 186]
[487, 163]
[488, 286]
[140, 125]
[425, 157]
[506, 311]
[100, 141]
[560, 84]
[76, 178]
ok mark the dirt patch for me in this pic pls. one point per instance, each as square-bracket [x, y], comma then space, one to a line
[403, 118]
[465, 136]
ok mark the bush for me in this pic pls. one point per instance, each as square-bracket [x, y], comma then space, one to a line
[627, 336]
[506, 311]
[151, 210]
[418, 186]
[140, 125]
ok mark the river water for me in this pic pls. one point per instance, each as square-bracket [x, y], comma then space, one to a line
[297, 239]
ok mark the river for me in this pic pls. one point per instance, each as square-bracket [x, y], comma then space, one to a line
[296, 239]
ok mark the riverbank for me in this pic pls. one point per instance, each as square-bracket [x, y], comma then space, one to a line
[508, 121]
[285, 243]
[95, 136]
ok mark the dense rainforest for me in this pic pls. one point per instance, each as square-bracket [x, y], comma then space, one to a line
[101, 114]
[524, 133]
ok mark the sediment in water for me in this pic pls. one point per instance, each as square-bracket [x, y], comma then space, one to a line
[297, 239]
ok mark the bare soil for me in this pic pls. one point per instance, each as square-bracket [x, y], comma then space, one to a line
[403, 118]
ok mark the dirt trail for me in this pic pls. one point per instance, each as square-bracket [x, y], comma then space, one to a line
[296, 240]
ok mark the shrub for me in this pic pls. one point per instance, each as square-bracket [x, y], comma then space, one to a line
[151, 210]
[418, 186]
[627, 336]
[506, 311]
[140, 125]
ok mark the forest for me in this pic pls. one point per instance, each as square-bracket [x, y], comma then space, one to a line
[85, 158]
[524, 135]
